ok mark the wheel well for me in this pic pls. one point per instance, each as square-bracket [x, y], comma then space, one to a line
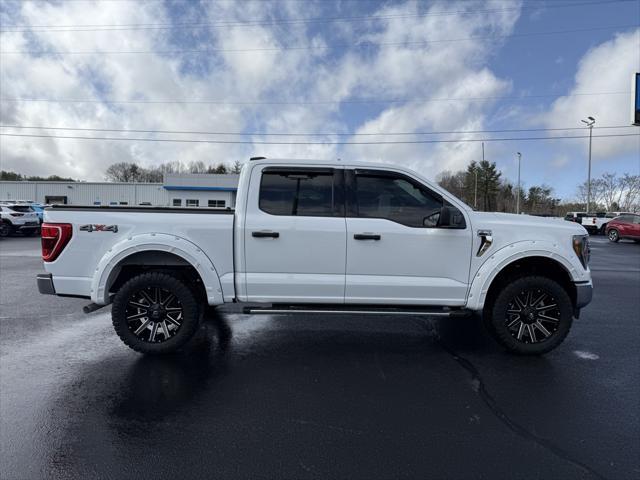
[539, 266]
[156, 261]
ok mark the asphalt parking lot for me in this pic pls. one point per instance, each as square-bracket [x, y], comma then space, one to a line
[317, 397]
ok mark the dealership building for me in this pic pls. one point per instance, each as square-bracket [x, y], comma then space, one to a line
[179, 190]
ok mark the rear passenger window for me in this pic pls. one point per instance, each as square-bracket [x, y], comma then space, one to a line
[298, 193]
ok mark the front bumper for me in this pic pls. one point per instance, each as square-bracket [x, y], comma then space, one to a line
[584, 294]
[45, 284]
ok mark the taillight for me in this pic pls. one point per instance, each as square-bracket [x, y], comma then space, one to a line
[55, 237]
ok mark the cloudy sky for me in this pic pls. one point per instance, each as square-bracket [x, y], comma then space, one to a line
[349, 70]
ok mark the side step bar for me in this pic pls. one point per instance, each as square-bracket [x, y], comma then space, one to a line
[345, 310]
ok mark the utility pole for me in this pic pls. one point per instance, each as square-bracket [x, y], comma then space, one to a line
[589, 123]
[475, 193]
[518, 197]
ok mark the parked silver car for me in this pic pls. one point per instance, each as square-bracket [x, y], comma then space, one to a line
[18, 218]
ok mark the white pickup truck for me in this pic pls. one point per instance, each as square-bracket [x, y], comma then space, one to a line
[311, 237]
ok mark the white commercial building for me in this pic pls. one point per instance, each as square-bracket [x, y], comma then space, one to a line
[186, 190]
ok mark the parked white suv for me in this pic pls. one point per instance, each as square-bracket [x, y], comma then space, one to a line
[18, 218]
[313, 237]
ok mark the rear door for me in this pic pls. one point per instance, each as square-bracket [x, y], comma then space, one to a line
[295, 235]
[635, 227]
[625, 225]
[396, 255]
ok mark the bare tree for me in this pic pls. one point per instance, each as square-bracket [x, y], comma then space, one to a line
[237, 167]
[597, 194]
[122, 172]
[197, 167]
[630, 197]
[452, 182]
[613, 193]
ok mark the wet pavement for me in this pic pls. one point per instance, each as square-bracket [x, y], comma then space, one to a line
[317, 396]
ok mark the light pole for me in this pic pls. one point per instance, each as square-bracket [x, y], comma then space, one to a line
[518, 197]
[589, 123]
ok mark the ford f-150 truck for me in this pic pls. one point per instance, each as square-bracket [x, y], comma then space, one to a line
[310, 237]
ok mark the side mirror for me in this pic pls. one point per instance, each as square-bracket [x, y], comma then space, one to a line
[445, 217]
[451, 217]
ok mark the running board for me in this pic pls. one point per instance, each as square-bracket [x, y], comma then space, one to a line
[344, 310]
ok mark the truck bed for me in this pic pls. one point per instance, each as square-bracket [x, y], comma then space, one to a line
[211, 230]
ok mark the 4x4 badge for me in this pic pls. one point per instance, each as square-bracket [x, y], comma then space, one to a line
[99, 228]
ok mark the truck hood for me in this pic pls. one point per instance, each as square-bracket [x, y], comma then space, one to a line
[526, 227]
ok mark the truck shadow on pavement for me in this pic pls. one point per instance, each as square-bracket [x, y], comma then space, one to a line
[157, 386]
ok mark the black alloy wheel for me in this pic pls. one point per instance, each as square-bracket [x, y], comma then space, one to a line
[532, 316]
[155, 312]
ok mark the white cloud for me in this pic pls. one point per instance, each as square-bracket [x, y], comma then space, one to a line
[435, 71]
[607, 67]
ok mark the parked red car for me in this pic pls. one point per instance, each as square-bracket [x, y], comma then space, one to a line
[624, 226]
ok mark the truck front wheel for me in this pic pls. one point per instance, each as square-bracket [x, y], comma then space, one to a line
[531, 315]
[155, 313]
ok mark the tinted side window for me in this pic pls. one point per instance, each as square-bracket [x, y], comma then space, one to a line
[298, 193]
[395, 198]
[625, 218]
[22, 208]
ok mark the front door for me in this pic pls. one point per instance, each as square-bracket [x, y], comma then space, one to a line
[396, 253]
[295, 235]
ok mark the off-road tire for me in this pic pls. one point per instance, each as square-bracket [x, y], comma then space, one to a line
[504, 302]
[184, 297]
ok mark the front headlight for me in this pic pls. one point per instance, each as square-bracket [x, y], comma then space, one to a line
[581, 247]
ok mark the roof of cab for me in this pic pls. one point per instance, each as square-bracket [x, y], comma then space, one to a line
[328, 162]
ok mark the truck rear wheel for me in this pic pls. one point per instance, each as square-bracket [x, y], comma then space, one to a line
[531, 315]
[155, 313]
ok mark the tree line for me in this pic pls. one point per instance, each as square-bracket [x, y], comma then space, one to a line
[18, 177]
[612, 193]
[132, 172]
[483, 187]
